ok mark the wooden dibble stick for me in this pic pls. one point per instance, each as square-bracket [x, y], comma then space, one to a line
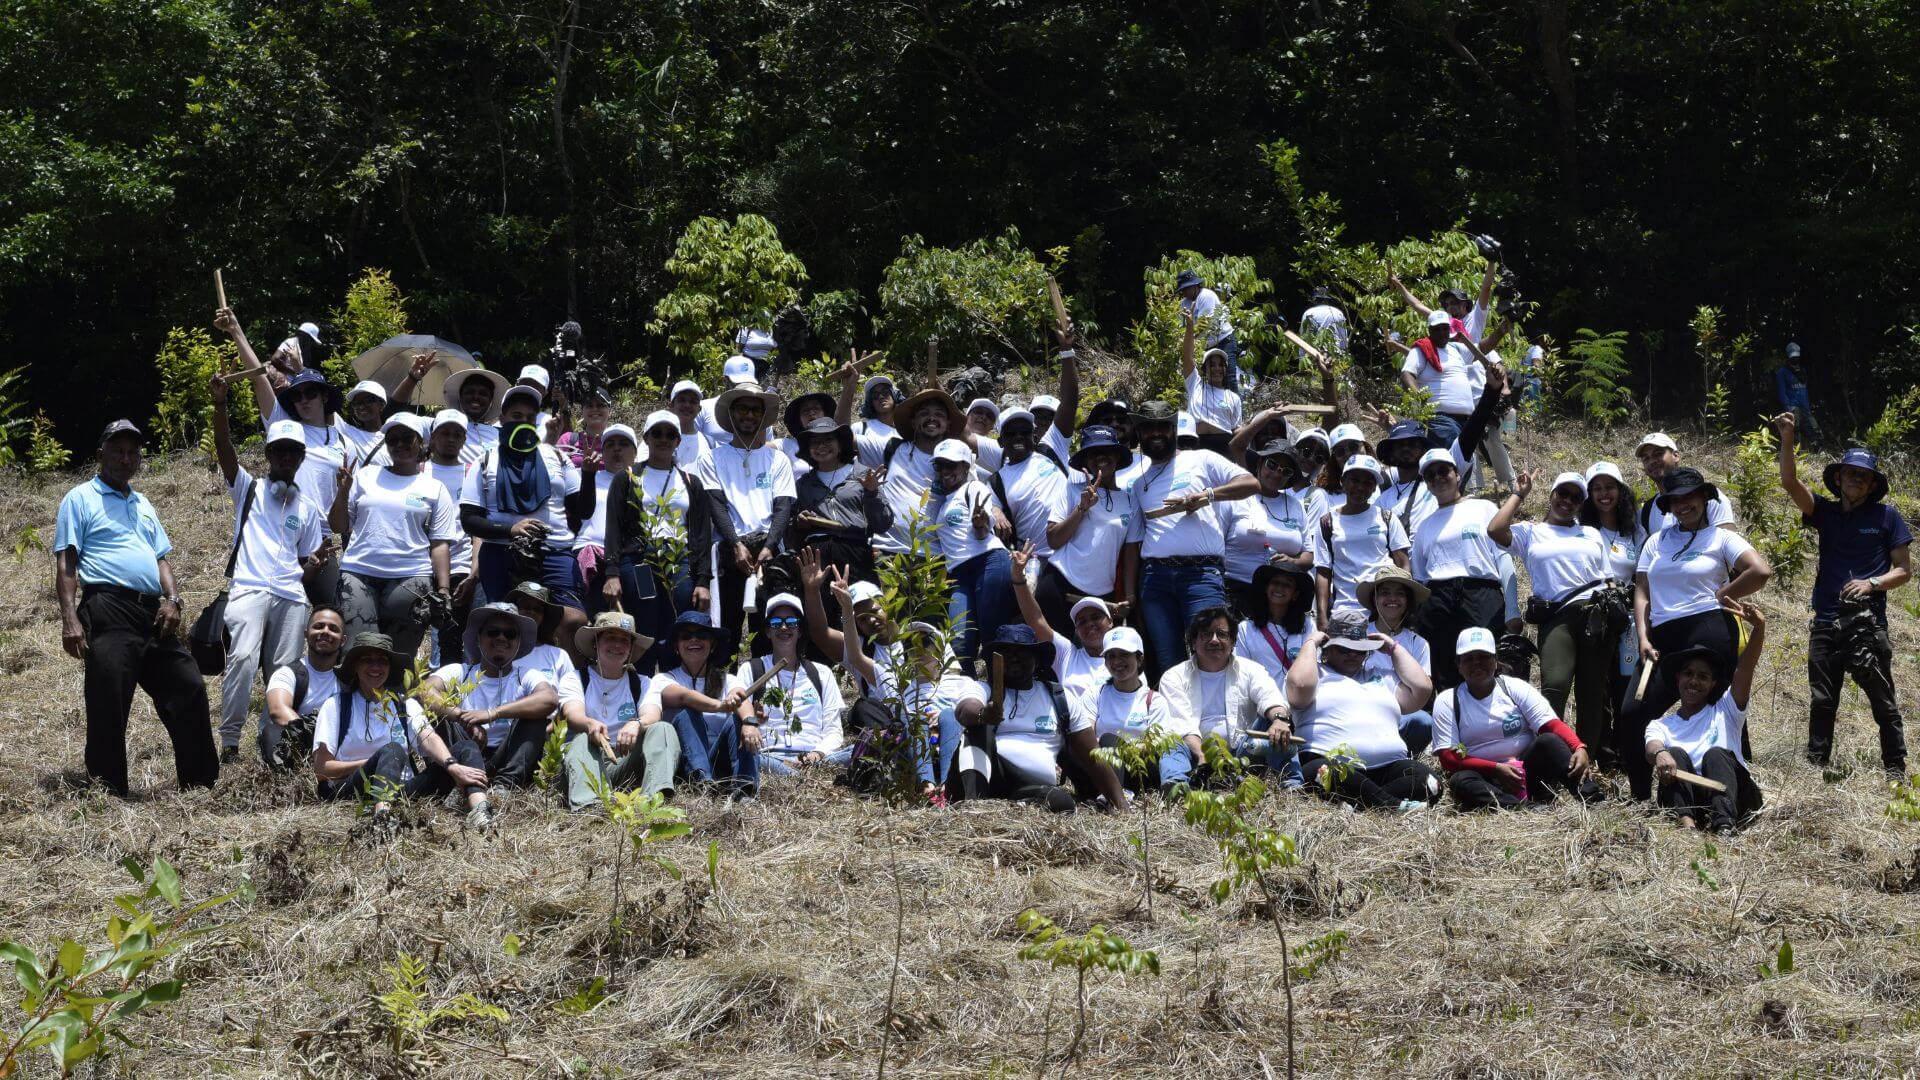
[998, 681]
[1292, 740]
[766, 677]
[1640, 689]
[1699, 781]
[229, 376]
[1060, 320]
[219, 287]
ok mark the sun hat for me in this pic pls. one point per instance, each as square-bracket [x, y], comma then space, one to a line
[1095, 439]
[823, 427]
[1187, 280]
[723, 405]
[1021, 636]
[1860, 458]
[1347, 629]
[370, 387]
[791, 417]
[371, 642]
[304, 378]
[904, 410]
[1122, 639]
[281, 431]
[1403, 431]
[700, 623]
[1363, 591]
[1267, 571]
[587, 638]
[312, 331]
[480, 616]
[533, 591]
[953, 450]
[1155, 411]
[1476, 639]
[450, 390]
[1681, 482]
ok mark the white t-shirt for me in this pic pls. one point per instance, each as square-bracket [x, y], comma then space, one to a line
[460, 549]
[492, 692]
[1361, 717]
[593, 531]
[1210, 404]
[391, 519]
[1195, 533]
[1036, 493]
[1379, 669]
[1623, 551]
[716, 722]
[1210, 700]
[1059, 444]
[1452, 385]
[1453, 543]
[1719, 512]
[1718, 726]
[611, 701]
[1256, 643]
[1091, 559]
[1360, 542]
[693, 446]
[1560, 558]
[1501, 726]
[1080, 674]
[1029, 738]
[326, 454]
[1129, 714]
[278, 536]
[953, 529]
[1259, 528]
[662, 489]
[1327, 318]
[361, 444]
[563, 479]
[709, 425]
[749, 480]
[480, 439]
[909, 476]
[369, 727]
[1205, 308]
[321, 686]
[1685, 569]
[814, 713]
[553, 662]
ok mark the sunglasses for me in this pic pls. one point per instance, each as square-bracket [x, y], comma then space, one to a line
[685, 638]
[781, 621]
[509, 632]
[302, 393]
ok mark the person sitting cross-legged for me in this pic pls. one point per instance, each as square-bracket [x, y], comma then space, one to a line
[1351, 725]
[1499, 740]
[1125, 707]
[717, 745]
[369, 744]
[1014, 746]
[1219, 693]
[607, 744]
[800, 709]
[505, 706]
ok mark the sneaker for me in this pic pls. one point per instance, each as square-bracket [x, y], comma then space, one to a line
[1411, 806]
[230, 755]
[482, 815]
[455, 799]
[498, 796]
[383, 820]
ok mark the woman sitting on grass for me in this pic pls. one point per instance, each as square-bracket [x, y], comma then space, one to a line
[1127, 708]
[799, 710]
[364, 743]
[1704, 735]
[1500, 742]
[1351, 726]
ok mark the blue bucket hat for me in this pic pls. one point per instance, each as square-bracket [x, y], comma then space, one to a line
[698, 621]
[1021, 636]
[1099, 437]
[1187, 280]
[303, 378]
[1404, 431]
[1860, 458]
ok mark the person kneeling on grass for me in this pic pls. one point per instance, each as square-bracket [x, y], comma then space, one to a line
[799, 710]
[607, 744]
[367, 744]
[1353, 750]
[1500, 742]
[716, 744]
[1704, 735]
[1014, 748]
[1127, 708]
[507, 707]
[1218, 693]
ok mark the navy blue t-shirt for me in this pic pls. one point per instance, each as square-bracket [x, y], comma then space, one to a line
[1853, 544]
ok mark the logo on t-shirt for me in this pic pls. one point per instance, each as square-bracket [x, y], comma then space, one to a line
[1044, 724]
[292, 523]
[1510, 723]
[625, 712]
[1470, 532]
[416, 502]
[763, 481]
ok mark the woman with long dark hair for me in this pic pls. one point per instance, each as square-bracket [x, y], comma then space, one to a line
[653, 506]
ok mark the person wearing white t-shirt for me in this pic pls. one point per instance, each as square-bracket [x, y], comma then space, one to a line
[1271, 527]
[800, 709]
[1203, 306]
[479, 394]
[365, 744]
[504, 707]
[907, 458]
[1707, 734]
[978, 564]
[750, 489]
[1687, 575]
[1216, 694]
[296, 691]
[274, 543]
[1127, 708]
[1272, 634]
[599, 466]
[1214, 406]
[717, 746]
[1610, 509]
[398, 523]
[1015, 747]
[684, 402]
[1659, 455]
[1174, 563]
[1391, 596]
[1077, 662]
[1452, 371]
[738, 371]
[607, 745]
[445, 439]
[877, 397]
[1460, 564]
[1089, 528]
[1030, 487]
[1567, 562]
[1499, 741]
[1351, 727]
[1353, 539]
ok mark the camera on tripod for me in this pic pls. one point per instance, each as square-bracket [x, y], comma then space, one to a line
[580, 380]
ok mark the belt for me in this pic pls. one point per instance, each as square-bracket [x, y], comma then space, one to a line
[123, 593]
[1464, 582]
[1213, 561]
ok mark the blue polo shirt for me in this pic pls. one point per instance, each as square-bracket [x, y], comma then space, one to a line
[1854, 544]
[119, 537]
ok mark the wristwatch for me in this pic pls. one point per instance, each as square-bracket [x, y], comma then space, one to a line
[176, 600]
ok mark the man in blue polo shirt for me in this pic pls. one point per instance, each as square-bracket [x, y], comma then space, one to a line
[1863, 555]
[120, 613]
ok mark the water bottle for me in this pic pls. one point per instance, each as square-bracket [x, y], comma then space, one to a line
[1521, 768]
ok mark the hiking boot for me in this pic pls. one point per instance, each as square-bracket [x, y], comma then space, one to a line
[230, 755]
[482, 816]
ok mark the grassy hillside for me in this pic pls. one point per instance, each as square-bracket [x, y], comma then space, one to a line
[1564, 943]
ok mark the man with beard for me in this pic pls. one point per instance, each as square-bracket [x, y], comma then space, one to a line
[751, 487]
[908, 460]
[296, 691]
[1174, 565]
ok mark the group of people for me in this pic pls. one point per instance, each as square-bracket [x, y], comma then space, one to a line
[430, 592]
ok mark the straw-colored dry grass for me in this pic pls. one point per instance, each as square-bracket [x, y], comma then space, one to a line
[1565, 943]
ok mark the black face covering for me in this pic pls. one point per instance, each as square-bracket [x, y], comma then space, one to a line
[522, 439]
[523, 486]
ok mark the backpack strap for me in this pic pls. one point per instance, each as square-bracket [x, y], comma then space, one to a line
[893, 447]
[1047, 452]
[999, 487]
[299, 684]
[758, 666]
[1062, 716]
[633, 688]
[1406, 506]
[240, 530]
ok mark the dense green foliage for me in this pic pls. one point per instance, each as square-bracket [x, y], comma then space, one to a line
[514, 163]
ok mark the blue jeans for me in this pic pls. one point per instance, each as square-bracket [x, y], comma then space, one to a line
[706, 755]
[1416, 730]
[1231, 346]
[982, 599]
[786, 762]
[1281, 759]
[559, 572]
[1442, 430]
[1170, 596]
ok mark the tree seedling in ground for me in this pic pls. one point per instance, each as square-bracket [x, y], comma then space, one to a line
[411, 1017]
[1137, 757]
[646, 819]
[1097, 948]
[1782, 962]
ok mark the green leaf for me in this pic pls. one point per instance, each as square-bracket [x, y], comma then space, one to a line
[1783, 960]
[133, 868]
[511, 945]
[158, 994]
[72, 955]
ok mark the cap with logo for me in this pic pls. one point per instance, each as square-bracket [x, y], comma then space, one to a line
[1476, 639]
[286, 431]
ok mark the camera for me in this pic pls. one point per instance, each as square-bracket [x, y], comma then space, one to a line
[1489, 247]
[580, 380]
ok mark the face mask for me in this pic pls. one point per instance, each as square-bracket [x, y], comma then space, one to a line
[523, 439]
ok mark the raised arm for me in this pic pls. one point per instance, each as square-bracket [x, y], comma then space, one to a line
[1786, 425]
[225, 320]
[1500, 529]
[1416, 686]
[1186, 346]
[1069, 391]
[1406, 294]
[1023, 595]
[1742, 686]
[222, 436]
[1303, 675]
[1487, 281]
[1237, 446]
[851, 648]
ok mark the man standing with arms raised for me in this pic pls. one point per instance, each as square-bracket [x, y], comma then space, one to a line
[120, 613]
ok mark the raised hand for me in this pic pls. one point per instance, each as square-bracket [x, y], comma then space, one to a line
[982, 521]
[1786, 424]
[811, 575]
[422, 363]
[1523, 483]
[1021, 556]
[217, 389]
[873, 478]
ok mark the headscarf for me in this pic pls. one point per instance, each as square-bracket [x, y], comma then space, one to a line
[521, 485]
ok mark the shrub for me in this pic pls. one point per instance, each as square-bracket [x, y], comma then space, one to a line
[1245, 296]
[1595, 373]
[989, 296]
[1770, 523]
[1718, 358]
[184, 416]
[1895, 428]
[726, 276]
[374, 311]
[26, 440]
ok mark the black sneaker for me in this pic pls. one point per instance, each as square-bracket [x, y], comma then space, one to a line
[229, 755]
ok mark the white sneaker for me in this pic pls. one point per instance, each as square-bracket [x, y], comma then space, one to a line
[1412, 806]
[482, 815]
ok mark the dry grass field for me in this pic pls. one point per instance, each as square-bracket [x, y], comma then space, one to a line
[1573, 942]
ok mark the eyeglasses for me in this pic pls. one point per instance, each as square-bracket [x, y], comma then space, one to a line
[509, 632]
[781, 621]
[1223, 633]
[301, 393]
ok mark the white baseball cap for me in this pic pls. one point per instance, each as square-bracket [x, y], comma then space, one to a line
[1346, 433]
[862, 591]
[1607, 469]
[1089, 602]
[984, 403]
[449, 416]
[785, 599]
[1122, 639]
[368, 386]
[311, 331]
[1573, 478]
[1535, 353]
[658, 417]
[1010, 416]
[286, 431]
[405, 421]
[739, 369]
[519, 390]
[953, 450]
[537, 375]
[1183, 426]
[1438, 317]
[1657, 438]
[682, 387]
[1365, 463]
[1045, 401]
[1475, 639]
[626, 433]
[1443, 456]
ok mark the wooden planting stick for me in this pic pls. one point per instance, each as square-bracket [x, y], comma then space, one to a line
[1699, 781]
[766, 677]
[1646, 672]
[1292, 740]
[1318, 356]
[229, 376]
[998, 680]
[1060, 319]
[219, 287]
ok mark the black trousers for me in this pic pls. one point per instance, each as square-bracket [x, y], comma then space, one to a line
[1386, 785]
[1548, 762]
[733, 586]
[123, 653]
[1718, 810]
[1828, 663]
[512, 762]
[1455, 604]
[1714, 629]
[1056, 597]
[389, 763]
[1005, 783]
